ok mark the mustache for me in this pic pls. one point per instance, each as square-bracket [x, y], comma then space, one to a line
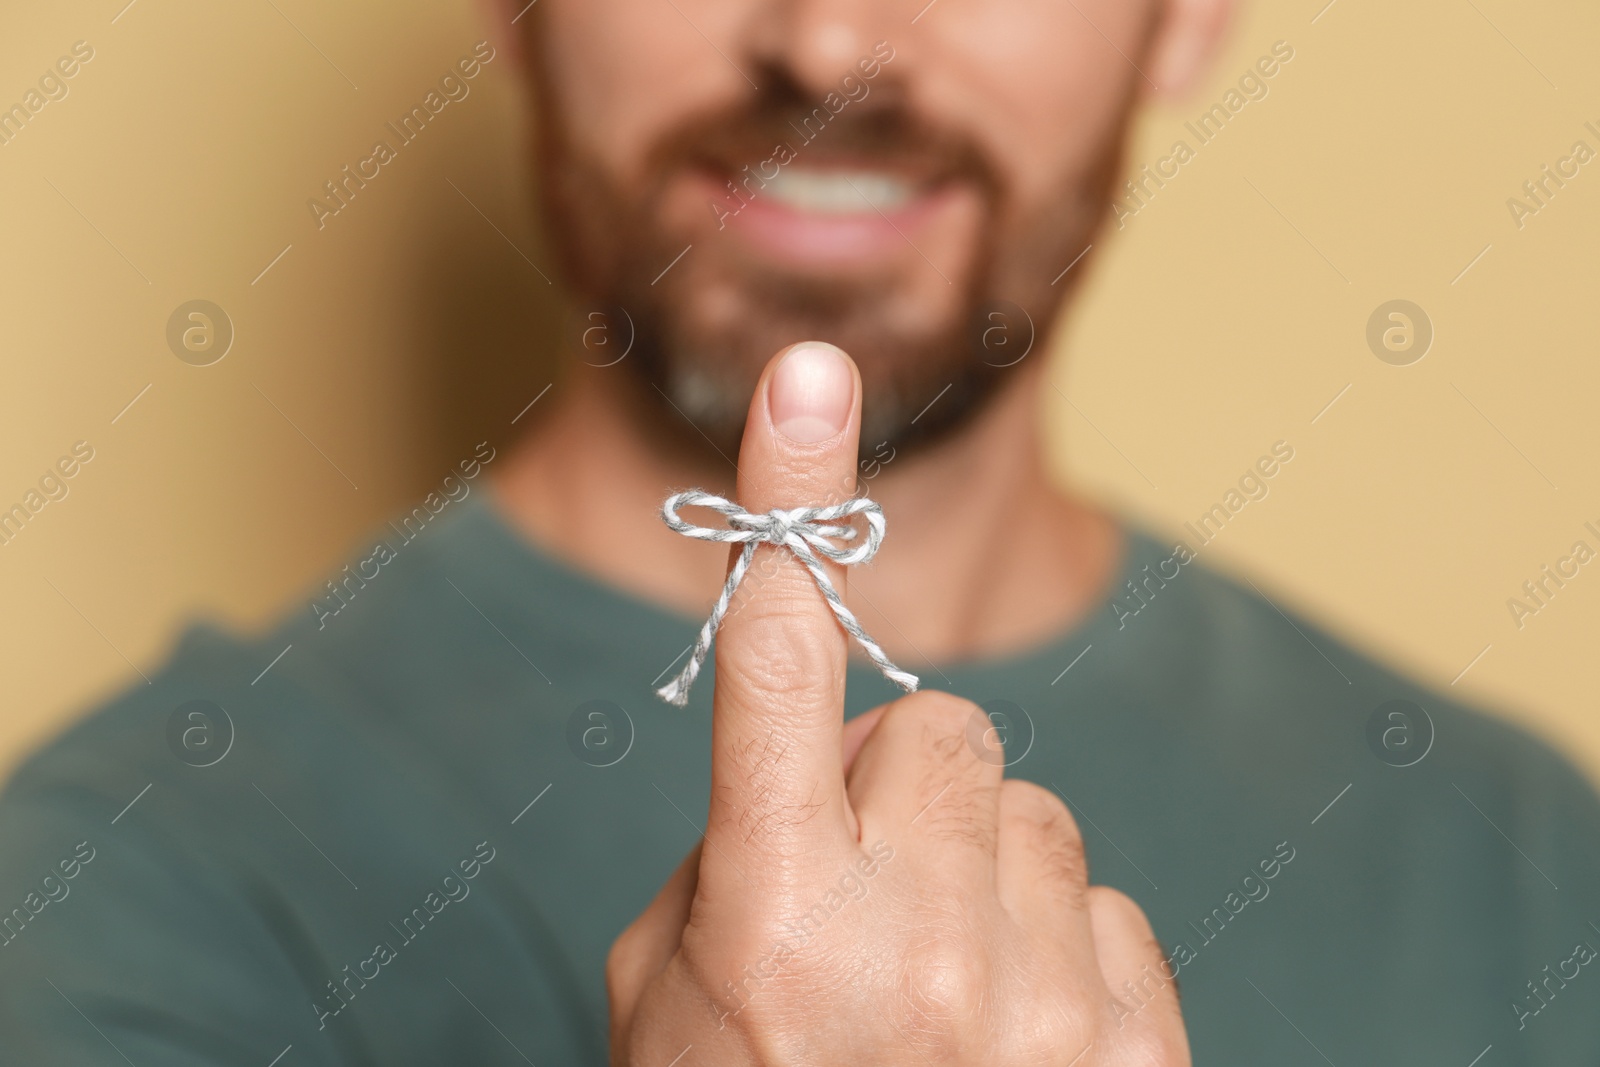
[873, 126]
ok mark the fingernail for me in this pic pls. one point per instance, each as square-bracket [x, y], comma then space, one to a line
[811, 393]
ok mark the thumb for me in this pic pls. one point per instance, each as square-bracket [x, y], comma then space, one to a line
[778, 707]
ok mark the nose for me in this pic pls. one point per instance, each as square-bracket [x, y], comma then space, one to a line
[819, 42]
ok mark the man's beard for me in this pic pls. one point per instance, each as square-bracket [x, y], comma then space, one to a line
[917, 385]
[922, 380]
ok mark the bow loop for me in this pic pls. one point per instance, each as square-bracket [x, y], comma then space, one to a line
[808, 533]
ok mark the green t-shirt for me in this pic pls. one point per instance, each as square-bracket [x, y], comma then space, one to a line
[407, 831]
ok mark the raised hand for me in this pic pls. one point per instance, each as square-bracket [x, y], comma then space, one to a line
[870, 894]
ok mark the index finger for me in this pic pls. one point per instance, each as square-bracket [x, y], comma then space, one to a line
[777, 714]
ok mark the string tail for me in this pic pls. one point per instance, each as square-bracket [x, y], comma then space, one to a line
[806, 532]
[852, 625]
[676, 690]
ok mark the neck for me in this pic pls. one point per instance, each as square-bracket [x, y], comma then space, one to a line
[985, 556]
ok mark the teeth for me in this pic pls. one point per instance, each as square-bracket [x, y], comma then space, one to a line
[839, 192]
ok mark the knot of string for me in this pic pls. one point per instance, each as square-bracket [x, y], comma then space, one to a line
[809, 533]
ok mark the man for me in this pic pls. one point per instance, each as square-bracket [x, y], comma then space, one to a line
[413, 824]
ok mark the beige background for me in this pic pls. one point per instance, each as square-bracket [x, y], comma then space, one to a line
[1226, 316]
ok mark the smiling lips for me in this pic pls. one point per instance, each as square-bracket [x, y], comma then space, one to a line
[828, 217]
[839, 191]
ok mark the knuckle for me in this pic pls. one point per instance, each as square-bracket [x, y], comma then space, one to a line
[1121, 910]
[1043, 1039]
[784, 657]
[1067, 867]
[1155, 1046]
[1049, 832]
[950, 751]
[1062, 861]
[936, 727]
[711, 960]
[945, 979]
[937, 713]
[1034, 804]
[1053, 1022]
[1031, 1042]
[957, 823]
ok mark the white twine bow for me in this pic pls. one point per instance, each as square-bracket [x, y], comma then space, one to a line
[808, 533]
